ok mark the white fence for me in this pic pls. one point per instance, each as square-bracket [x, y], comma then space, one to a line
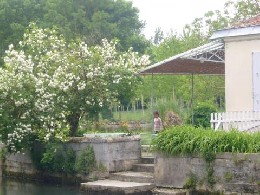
[242, 121]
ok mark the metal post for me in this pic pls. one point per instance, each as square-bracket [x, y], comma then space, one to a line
[152, 102]
[192, 98]
[152, 94]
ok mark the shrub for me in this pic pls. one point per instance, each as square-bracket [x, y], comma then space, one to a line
[171, 119]
[170, 105]
[201, 115]
[191, 182]
[106, 113]
[86, 161]
[53, 157]
[58, 158]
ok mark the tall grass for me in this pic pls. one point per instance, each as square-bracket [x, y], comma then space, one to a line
[191, 140]
[137, 115]
[164, 105]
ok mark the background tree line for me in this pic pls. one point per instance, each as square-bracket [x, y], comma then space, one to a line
[91, 20]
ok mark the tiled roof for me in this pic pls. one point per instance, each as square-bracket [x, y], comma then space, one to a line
[253, 21]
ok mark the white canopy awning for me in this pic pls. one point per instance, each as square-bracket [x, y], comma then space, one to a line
[206, 59]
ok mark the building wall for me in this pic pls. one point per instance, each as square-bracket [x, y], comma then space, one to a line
[238, 72]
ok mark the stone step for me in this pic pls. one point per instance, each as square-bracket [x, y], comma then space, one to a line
[147, 154]
[113, 187]
[147, 160]
[146, 151]
[165, 191]
[146, 148]
[130, 176]
[143, 168]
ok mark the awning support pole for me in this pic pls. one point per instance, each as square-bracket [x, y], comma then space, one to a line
[152, 94]
[152, 101]
[192, 99]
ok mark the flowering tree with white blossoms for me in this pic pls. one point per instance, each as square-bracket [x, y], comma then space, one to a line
[48, 85]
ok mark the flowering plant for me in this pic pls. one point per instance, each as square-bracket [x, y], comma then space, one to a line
[47, 85]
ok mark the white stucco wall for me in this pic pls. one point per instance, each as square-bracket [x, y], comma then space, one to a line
[238, 72]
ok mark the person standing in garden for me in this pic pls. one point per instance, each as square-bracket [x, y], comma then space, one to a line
[157, 122]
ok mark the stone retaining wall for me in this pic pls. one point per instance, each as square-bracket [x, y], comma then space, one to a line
[231, 172]
[114, 153]
[19, 163]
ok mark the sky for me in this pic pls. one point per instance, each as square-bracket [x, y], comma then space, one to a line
[173, 14]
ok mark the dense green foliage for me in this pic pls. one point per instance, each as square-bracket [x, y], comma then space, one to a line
[57, 157]
[190, 140]
[88, 19]
[201, 114]
[86, 161]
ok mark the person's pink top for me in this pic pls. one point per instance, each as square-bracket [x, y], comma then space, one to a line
[157, 124]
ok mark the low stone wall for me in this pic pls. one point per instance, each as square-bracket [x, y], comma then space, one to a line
[20, 163]
[115, 153]
[230, 173]
[131, 126]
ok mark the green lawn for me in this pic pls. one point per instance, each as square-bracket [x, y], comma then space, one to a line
[146, 138]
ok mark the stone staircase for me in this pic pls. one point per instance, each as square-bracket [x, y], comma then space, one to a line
[139, 181]
[141, 173]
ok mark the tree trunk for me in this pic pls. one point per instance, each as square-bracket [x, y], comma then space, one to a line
[73, 120]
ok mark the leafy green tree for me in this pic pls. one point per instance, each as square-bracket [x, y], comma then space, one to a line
[89, 20]
[51, 84]
[234, 12]
[15, 16]
[171, 45]
[158, 36]
[244, 9]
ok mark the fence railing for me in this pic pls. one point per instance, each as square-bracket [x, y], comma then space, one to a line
[240, 120]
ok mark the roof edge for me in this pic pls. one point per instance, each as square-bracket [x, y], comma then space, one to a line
[234, 32]
[208, 46]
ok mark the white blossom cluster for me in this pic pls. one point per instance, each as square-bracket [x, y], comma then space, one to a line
[45, 81]
[17, 136]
